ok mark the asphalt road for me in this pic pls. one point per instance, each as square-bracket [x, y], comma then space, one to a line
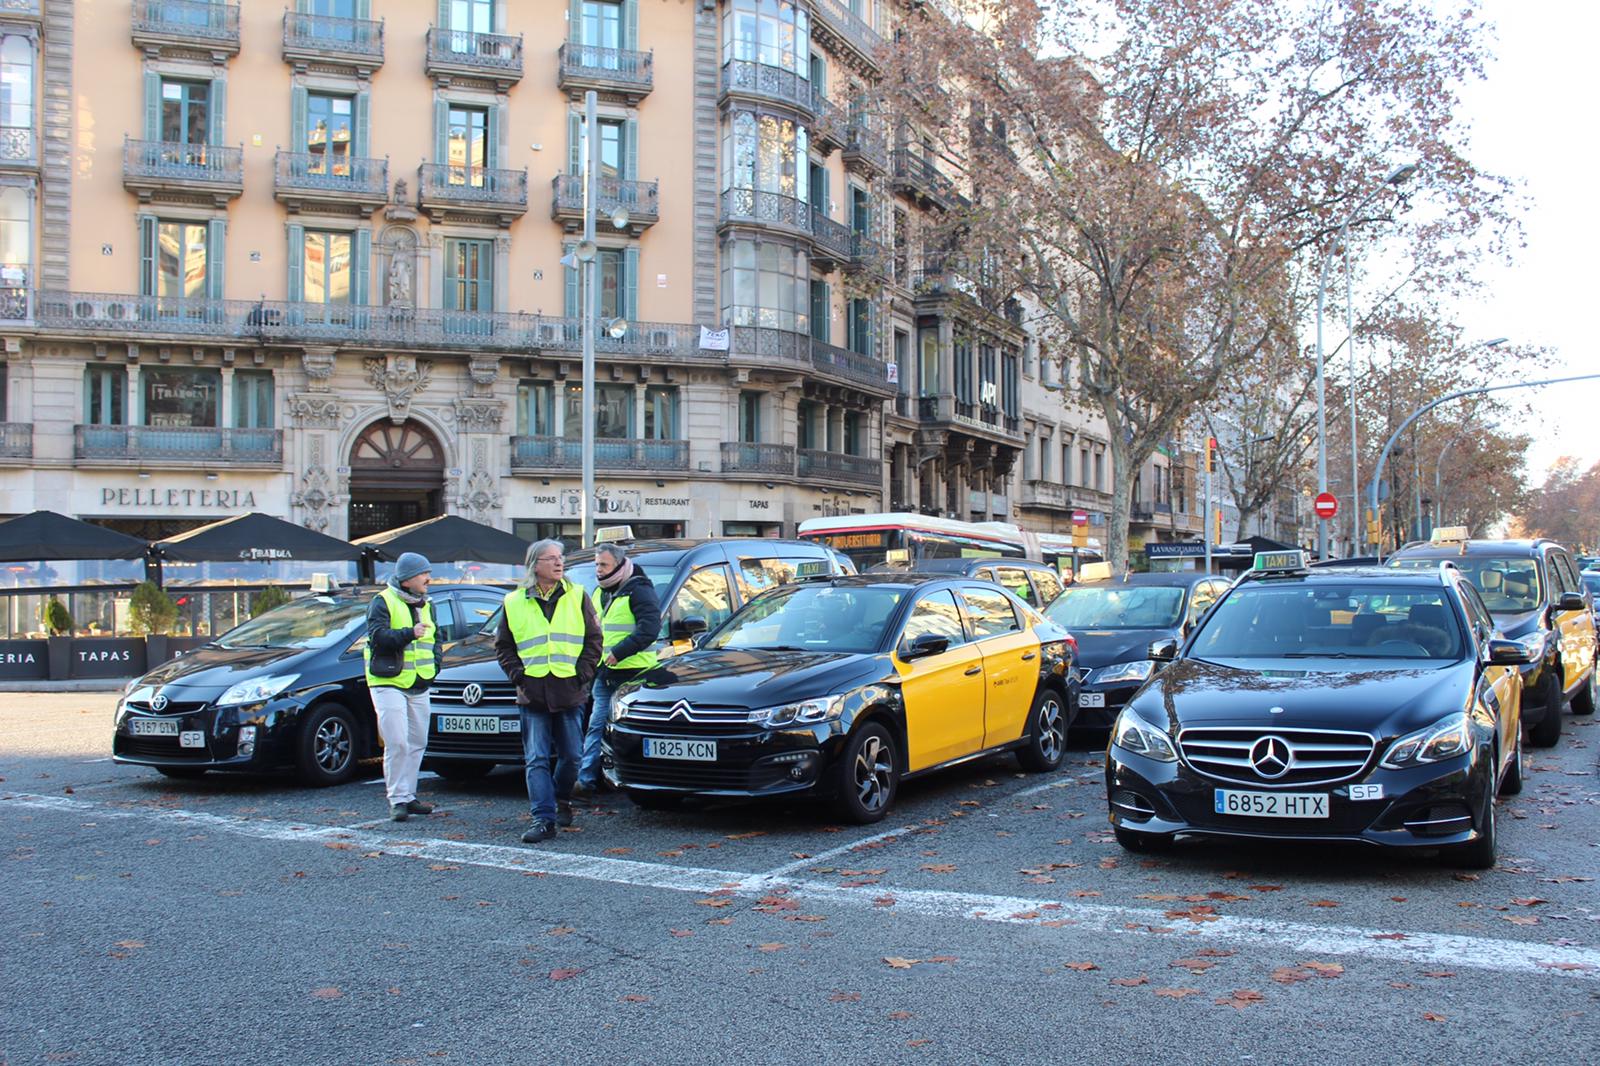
[991, 918]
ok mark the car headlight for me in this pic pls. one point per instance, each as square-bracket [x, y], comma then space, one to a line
[621, 706]
[257, 689]
[803, 712]
[1132, 733]
[1443, 740]
[1135, 670]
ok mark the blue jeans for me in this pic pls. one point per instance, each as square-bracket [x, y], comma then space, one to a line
[554, 737]
[589, 772]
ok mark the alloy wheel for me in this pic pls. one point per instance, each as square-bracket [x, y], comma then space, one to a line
[332, 745]
[874, 773]
[1052, 732]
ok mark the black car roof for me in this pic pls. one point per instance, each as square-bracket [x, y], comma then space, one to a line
[1166, 579]
[673, 549]
[1429, 550]
[1346, 574]
[961, 566]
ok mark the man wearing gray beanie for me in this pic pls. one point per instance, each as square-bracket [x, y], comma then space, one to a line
[402, 657]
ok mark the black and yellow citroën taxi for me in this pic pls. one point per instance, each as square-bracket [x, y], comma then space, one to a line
[843, 687]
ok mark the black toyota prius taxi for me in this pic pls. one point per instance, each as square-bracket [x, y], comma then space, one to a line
[1367, 705]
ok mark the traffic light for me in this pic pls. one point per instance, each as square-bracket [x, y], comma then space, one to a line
[1211, 455]
[1374, 528]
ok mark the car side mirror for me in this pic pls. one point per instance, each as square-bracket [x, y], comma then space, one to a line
[924, 645]
[690, 628]
[1571, 601]
[1162, 651]
[1509, 653]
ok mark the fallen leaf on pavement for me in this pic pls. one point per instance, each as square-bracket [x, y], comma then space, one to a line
[326, 993]
[130, 943]
[715, 902]
[918, 1043]
[1130, 982]
[845, 997]
[1241, 999]
[1213, 953]
[1192, 965]
[747, 836]
[771, 947]
[1323, 903]
[560, 930]
[618, 851]
[900, 1015]
[1438, 973]
[1288, 975]
[1324, 969]
[1176, 993]
[900, 964]
[1518, 919]
[634, 997]
[1529, 901]
[1388, 936]
[1574, 966]
[563, 974]
[442, 866]
[939, 867]
[1082, 967]
[1429, 1016]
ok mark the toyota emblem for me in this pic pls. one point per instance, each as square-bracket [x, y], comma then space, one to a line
[159, 703]
[681, 709]
[1271, 757]
[472, 694]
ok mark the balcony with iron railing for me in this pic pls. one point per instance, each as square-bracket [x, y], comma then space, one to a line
[920, 179]
[16, 440]
[758, 207]
[967, 415]
[766, 83]
[25, 8]
[1149, 512]
[177, 445]
[15, 304]
[626, 73]
[754, 457]
[641, 199]
[462, 53]
[835, 466]
[321, 179]
[192, 23]
[767, 346]
[951, 275]
[1045, 495]
[828, 129]
[151, 168]
[867, 255]
[531, 454]
[839, 27]
[452, 190]
[866, 149]
[327, 39]
[863, 371]
[831, 241]
[19, 147]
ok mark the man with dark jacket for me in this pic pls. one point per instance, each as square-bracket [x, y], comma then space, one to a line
[630, 624]
[402, 657]
[549, 646]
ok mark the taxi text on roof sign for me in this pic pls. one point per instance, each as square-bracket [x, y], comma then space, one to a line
[1094, 572]
[1450, 534]
[613, 533]
[1282, 561]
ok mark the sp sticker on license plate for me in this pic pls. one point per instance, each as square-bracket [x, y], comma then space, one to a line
[1366, 792]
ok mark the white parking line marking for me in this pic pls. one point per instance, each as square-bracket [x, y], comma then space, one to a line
[1434, 949]
[842, 849]
[423, 776]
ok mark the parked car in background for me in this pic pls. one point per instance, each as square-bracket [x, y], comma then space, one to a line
[1035, 584]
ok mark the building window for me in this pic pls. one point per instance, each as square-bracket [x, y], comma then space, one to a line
[860, 211]
[1100, 471]
[773, 32]
[181, 397]
[1027, 455]
[1083, 467]
[536, 409]
[468, 275]
[326, 267]
[1009, 385]
[820, 312]
[765, 284]
[988, 376]
[252, 399]
[805, 424]
[1046, 446]
[104, 390]
[600, 24]
[928, 372]
[766, 153]
[16, 236]
[853, 436]
[963, 382]
[16, 93]
[185, 111]
[1066, 462]
[467, 145]
[661, 412]
[750, 417]
[330, 128]
[473, 16]
[181, 261]
[612, 268]
[902, 246]
[859, 323]
[902, 362]
[613, 412]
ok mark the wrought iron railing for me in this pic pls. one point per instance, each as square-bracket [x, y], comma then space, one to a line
[866, 253]
[14, 304]
[831, 121]
[195, 443]
[865, 144]
[18, 144]
[619, 65]
[20, 7]
[766, 344]
[320, 172]
[855, 468]
[449, 182]
[1040, 493]
[206, 164]
[765, 209]
[16, 440]
[359, 38]
[922, 176]
[753, 457]
[748, 77]
[852, 27]
[200, 20]
[493, 53]
[832, 237]
[566, 453]
[842, 362]
[641, 198]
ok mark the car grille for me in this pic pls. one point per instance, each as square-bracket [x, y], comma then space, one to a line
[160, 748]
[496, 694]
[171, 710]
[642, 712]
[1316, 756]
[508, 745]
[695, 777]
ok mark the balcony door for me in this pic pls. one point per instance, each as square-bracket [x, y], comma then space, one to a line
[600, 30]
[467, 145]
[396, 477]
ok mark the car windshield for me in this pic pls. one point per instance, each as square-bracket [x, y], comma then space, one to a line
[1117, 607]
[1372, 620]
[1509, 584]
[812, 618]
[1591, 581]
[312, 622]
[660, 576]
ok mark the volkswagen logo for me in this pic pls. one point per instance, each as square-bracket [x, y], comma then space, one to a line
[682, 710]
[1271, 757]
[472, 694]
[159, 703]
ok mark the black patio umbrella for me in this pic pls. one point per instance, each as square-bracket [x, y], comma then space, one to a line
[255, 538]
[45, 535]
[448, 539]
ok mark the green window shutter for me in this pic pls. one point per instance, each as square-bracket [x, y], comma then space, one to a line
[147, 255]
[630, 150]
[216, 257]
[441, 130]
[575, 22]
[573, 310]
[152, 106]
[819, 196]
[498, 128]
[297, 262]
[363, 271]
[444, 15]
[630, 285]
[574, 143]
[297, 119]
[219, 110]
[363, 9]
[630, 25]
[486, 275]
[363, 119]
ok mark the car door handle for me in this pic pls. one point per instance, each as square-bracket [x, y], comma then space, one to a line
[1029, 655]
[973, 671]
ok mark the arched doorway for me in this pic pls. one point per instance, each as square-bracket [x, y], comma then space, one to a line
[396, 477]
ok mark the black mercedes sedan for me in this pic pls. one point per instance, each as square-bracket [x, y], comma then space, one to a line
[285, 690]
[1372, 705]
[841, 688]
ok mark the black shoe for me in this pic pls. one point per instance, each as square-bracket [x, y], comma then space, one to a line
[583, 791]
[563, 814]
[538, 832]
[399, 812]
[419, 807]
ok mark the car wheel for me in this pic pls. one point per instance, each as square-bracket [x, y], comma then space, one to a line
[1480, 854]
[1548, 732]
[1143, 842]
[325, 751]
[182, 773]
[868, 775]
[460, 769]
[1047, 744]
[656, 801]
[1511, 784]
[1584, 701]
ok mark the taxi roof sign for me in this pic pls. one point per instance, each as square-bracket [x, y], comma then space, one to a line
[613, 533]
[1279, 561]
[1094, 572]
[1450, 535]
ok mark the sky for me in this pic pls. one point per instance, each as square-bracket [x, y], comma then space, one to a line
[1532, 119]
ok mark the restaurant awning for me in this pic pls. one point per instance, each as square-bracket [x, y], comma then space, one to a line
[448, 539]
[254, 538]
[45, 535]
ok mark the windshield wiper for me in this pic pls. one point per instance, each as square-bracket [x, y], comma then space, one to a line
[1328, 655]
[769, 647]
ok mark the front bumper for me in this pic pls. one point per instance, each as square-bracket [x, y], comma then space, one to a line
[1112, 698]
[750, 762]
[1422, 807]
[217, 729]
[502, 746]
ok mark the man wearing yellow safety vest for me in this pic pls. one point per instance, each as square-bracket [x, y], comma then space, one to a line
[630, 624]
[402, 657]
[549, 646]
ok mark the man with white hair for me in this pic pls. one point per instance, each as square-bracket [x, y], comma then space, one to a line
[630, 623]
[549, 646]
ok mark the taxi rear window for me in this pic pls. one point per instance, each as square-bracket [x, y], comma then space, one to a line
[1308, 621]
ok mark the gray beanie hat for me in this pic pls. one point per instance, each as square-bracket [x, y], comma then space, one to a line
[410, 565]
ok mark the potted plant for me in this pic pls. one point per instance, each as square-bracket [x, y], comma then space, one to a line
[152, 614]
[268, 598]
[58, 629]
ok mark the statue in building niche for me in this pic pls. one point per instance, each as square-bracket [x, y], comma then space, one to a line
[399, 280]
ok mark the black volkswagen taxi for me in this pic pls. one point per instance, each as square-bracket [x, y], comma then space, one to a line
[1373, 705]
[842, 687]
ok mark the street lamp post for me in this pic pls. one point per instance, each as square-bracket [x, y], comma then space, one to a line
[1397, 176]
[587, 259]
